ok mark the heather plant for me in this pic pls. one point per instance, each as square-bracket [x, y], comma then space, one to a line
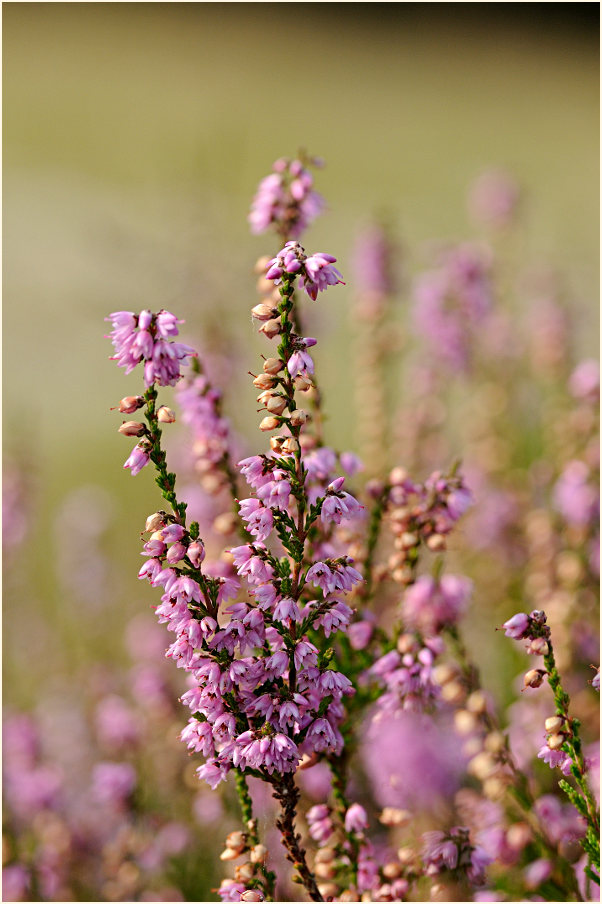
[331, 614]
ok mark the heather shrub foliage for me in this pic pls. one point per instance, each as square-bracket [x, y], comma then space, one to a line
[329, 610]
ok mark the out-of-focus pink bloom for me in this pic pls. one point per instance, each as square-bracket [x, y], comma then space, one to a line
[16, 881]
[537, 872]
[356, 819]
[116, 723]
[112, 783]
[575, 498]
[429, 605]
[584, 382]
[494, 198]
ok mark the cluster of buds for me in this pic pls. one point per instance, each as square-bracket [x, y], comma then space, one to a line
[553, 752]
[536, 632]
[421, 514]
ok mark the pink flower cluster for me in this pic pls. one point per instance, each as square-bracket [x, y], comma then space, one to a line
[452, 851]
[286, 199]
[147, 338]
[316, 272]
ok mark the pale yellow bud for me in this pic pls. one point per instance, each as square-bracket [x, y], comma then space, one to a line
[302, 383]
[483, 766]
[398, 476]
[465, 722]
[494, 787]
[212, 483]
[518, 835]
[276, 443]
[405, 643]
[554, 723]
[534, 678]
[236, 840]
[244, 872]
[259, 853]
[436, 543]
[166, 415]
[155, 522]
[443, 673]
[273, 366]
[556, 740]
[472, 746]
[328, 889]
[477, 702]
[393, 816]
[325, 870]
[324, 855]
[230, 854]
[453, 692]
[392, 870]
[405, 855]
[409, 540]
[403, 575]
[495, 742]
[269, 423]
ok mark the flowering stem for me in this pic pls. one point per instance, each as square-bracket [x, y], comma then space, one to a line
[585, 802]
[374, 527]
[287, 794]
[250, 823]
[164, 479]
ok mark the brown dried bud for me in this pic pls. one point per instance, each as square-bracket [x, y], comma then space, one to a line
[263, 312]
[290, 445]
[272, 366]
[269, 423]
[554, 723]
[132, 428]
[130, 404]
[264, 381]
[534, 677]
[258, 854]
[556, 740]
[155, 521]
[298, 417]
[166, 415]
[236, 840]
[302, 383]
[270, 328]
[275, 404]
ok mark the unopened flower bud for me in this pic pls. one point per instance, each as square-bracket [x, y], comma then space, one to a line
[269, 423]
[132, 428]
[263, 312]
[554, 723]
[302, 383]
[393, 816]
[405, 855]
[258, 854]
[230, 854]
[324, 855]
[483, 766]
[556, 740]
[252, 894]
[518, 835]
[155, 522]
[236, 840]
[406, 643]
[495, 742]
[443, 673]
[477, 702]
[494, 787]
[538, 646]
[453, 692]
[290, 445]
[403, 575]
[298, 417]
[465, 722]
[325, 870]
[130, 404]
[436, 543]
[270, 328]
[272, 366]
[392, 870]
[398, 476]
[244, 871]
[328, 889]
[408, 540]
[264, 381]
[276, 443]
[534, 677]
[226, 523]
[196, 553]
[166, 415]
[275, 404]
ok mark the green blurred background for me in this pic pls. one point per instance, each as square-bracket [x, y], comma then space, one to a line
[134, 138]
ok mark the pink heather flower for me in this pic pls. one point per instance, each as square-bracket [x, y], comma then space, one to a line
[584, 382]
[198, 737]
[320, 823]
[429, 605]
[556, 759]
[212, 773]
[356, 819]
[596, 681]
[494, 199]
[517, 626]
[139, 457]
[359, 634]
[112, 783]
[537, 872]
[286, 609]
[143, 338]
[230, 890]
[285, 199]
[300, 362]
[319, 274]
[116, 723]
[574, 497]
